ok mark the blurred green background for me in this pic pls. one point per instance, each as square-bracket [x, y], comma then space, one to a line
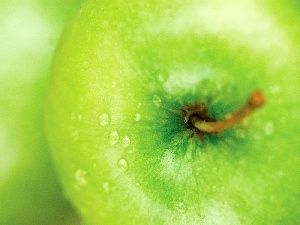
[29, 190]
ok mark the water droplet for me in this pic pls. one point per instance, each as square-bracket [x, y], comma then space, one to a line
[202, 215]
[280, 173]
[246, 121]
[256, 136]
[186, 119]
[73, 116]
[240, 133]
[214, 188]
[198, 171]
[180, 207]
[80, 177]
[275, 89]
[137, 184]
[140, 105]
[125, 141]
[160, 78]
[167, 11]
[75, 135]
[114, 84]
[83, 210]
[269, 128]
[122, 164]
[104, 119]
[137, 117]
[156, 100]
[106, 187]
[114, 137]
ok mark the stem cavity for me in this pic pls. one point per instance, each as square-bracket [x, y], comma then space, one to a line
[199, 119]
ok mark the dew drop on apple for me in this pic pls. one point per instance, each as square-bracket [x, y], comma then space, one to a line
[240, 133]
[160, 78]
[104, 119]
[83, 210]
[122, 164]
[275, 89]
[126, 141]
[280, 173]
[74, 116]
[269, 128]
[214, 169]
[198, 171]
[75, 135]
[222, 188]
[137, 117]
[106, 187]
[80, 178]
[114, 84]
[157, 100]
[214, 188]
[114, 137]
[202, 215]
[180, 207]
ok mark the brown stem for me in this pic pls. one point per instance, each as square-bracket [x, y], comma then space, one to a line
[255, 101]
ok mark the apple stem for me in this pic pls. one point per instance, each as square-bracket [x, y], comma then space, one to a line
[255, 101]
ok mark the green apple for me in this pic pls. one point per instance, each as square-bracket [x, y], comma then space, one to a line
[127, 76]
[29, 190]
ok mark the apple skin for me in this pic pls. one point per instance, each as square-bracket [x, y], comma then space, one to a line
[29, 190]
[122, 74]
